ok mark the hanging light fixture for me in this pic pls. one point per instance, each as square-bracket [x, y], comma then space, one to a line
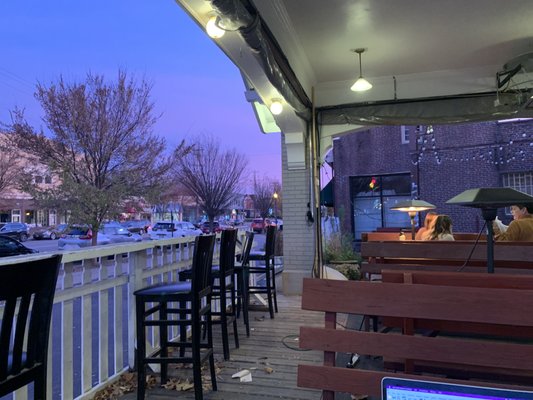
[213, 29]
[361, 84]
[276, 107]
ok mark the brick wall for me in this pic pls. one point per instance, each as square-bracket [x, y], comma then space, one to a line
[448, 160]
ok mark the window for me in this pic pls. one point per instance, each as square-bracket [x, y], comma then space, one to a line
[48, 179]
[522, 181]
[38, 179]
[405, 134]
[373, 196]
[15, 215]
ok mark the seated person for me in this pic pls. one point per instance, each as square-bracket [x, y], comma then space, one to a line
[442, 229]
[520, 229]
[424, 232]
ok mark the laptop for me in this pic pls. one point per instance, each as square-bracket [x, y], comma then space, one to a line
[407, 389]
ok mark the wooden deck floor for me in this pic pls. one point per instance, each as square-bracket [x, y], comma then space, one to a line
[272, 345]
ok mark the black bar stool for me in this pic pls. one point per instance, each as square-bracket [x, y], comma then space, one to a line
[194, 299]
[27, 292]
[267, 257]
[243, 277]
[224, 289]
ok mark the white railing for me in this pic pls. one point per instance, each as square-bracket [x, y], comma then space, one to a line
[92, 336]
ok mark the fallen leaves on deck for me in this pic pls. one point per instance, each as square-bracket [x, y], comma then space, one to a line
[128, 382]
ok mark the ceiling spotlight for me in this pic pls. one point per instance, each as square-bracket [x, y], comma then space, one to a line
[213, 29]
[276, 107]
[361, 84]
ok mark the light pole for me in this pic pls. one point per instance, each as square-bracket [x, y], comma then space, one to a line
[275, 195]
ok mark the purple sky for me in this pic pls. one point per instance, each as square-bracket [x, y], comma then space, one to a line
[195, 86]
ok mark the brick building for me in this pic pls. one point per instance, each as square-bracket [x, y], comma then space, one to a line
[375, 168]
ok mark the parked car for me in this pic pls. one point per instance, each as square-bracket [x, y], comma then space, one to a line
[257, 225]
[166, 230]
[80, 236]
[12, 247]
[206, 227]
[15, 230]
[189, 228]
[50, 232]
[274, 222]
[118, 234]
[141, 227]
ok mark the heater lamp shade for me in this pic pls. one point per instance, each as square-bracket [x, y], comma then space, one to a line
[413, 205]
[491, 198]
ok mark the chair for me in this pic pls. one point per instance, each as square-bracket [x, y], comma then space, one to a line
[241, 271]
[194, 299]
[225, 289]
[267, 269]
[27, 289]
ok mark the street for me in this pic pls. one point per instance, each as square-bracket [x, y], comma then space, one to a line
[44, 246]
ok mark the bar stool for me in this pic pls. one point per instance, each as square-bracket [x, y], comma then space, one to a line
[194, 299]
[243, 277]
[267, 269]
[224, 289]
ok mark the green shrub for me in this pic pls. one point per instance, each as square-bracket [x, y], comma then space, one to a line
[339, 248]
[350, 271]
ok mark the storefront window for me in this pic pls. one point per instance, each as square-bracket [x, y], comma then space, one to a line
[372, 197]
[15, 215]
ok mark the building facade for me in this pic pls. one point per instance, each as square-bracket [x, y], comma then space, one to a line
[376, 168]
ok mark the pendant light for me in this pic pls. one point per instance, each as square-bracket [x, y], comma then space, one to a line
[361, 84]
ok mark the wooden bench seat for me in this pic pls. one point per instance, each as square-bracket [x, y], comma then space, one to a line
[501, 363]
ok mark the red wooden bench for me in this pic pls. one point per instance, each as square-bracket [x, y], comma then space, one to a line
[509, 257]
[509, 304]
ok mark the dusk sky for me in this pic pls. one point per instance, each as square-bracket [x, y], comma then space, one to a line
[196, 88]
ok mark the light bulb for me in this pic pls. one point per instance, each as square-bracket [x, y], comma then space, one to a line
[212, 29]
[361, 85]
[276, 107]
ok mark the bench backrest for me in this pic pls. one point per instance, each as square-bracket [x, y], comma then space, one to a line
[389, 236]
[453, 303]
[506, 254]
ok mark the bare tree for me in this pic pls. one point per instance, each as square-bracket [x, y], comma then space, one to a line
[100, 145]
[212, 175]
[11, 164]
[264, 190]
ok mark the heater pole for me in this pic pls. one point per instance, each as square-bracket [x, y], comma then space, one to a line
[489, 214]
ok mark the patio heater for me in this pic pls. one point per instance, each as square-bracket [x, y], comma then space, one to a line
[489, 200]
[412, 207]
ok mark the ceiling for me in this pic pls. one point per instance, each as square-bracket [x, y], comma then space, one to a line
[421, 56]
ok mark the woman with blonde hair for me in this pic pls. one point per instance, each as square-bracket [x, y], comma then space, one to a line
[425, 231]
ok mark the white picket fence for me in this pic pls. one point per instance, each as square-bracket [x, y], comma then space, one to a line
[92, 336]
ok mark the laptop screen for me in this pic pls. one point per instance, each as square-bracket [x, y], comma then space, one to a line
[406, 389]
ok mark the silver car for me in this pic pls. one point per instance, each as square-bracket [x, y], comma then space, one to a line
[119, 234]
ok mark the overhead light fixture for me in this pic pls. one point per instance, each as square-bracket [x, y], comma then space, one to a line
[276, 107]
[213, 29]
[361, 84]
[412, 207]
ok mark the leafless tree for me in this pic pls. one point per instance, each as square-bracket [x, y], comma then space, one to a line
[264, 189]
[211, 174]
[11, 164]
[100, 144]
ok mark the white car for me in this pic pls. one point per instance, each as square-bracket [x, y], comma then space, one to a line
[167, 230]
[119, 234]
